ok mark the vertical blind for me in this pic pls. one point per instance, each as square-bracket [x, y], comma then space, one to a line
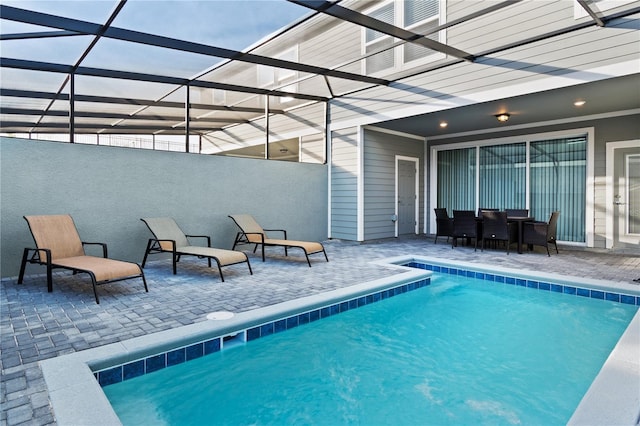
[457, 179]
[502, 176]
[557, 180]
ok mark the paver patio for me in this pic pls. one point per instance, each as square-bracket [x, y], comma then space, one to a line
[37, 325]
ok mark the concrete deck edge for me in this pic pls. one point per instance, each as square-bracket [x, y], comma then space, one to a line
[614, 396]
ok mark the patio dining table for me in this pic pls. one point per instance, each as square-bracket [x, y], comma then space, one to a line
[520, 221]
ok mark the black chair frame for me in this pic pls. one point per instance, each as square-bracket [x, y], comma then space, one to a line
[32, 256]
[154, 247]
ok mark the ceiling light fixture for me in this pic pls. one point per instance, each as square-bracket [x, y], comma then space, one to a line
[443, 124]
[503, 117]
[579, 102]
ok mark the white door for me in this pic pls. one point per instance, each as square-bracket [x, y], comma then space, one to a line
[623, 195]
[406, 195]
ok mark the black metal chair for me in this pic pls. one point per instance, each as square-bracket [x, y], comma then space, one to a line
[541, 233]
[444, 224]
[465, 226]
[495, 227]
[517, 212]
[481, 210]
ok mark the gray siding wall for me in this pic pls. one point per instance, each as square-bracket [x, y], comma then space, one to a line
[380, 150]
[511, 72]
[312, 149]
[305, 120]
[344, 184]
[612, 129]
[107, 190]
[507, 73]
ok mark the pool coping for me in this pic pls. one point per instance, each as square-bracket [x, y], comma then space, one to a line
[77, 397]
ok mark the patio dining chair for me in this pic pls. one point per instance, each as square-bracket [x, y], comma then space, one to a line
[495, 227]
[444, 224]
[169, 238]
[252, 233]
[58, 245]
[465, 226]
[482, 210]
[542, 233]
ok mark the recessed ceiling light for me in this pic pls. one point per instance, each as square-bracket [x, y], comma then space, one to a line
[443, 124]
[503, 117]
[579, 103]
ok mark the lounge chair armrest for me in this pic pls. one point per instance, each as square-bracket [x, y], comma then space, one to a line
[262, 236]
[278, 230]
[201, 236]
[159, 243]
[104, 247]
[36, 256]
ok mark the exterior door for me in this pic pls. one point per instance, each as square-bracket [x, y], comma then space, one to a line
[406, 195]
[623, 193]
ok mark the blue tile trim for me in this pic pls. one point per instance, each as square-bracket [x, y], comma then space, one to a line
[557, 288]
[197, 350]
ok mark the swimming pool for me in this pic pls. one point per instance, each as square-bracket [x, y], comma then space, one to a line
[458, 351]
[72, 376]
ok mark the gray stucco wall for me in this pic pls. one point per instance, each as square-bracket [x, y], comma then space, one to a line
[107, 190]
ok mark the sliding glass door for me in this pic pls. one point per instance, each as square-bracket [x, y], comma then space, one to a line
[558, 182]
[540, 175]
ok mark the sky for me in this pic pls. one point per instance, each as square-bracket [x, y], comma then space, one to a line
[235, 24]
[231, 24]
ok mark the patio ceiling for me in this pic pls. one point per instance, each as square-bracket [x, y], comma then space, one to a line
[125, 67]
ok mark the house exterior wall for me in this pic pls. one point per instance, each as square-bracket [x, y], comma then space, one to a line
[345, 174]
[107, 190]
[312, 149]
[609, 129]
[380, 151]
[612, 51]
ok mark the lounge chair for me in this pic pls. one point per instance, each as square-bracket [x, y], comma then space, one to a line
[169, 238]
[58, 245]
[252, 233]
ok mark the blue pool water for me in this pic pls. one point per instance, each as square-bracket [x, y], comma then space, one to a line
[460, 351]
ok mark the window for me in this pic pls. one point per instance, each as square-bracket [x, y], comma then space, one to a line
[598, 6]
[375, 41]
[541, 175]
[419, 16]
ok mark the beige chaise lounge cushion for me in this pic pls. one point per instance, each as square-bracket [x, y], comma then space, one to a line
[308, 246]
[165, 228]
[103, 269]
[251, 228]
[225, 257]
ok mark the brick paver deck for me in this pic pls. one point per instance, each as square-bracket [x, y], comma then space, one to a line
[37, 325]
